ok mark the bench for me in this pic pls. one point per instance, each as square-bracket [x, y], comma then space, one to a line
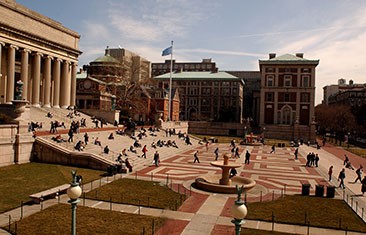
[38, 197]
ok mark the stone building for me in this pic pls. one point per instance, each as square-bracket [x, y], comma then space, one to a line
[207, 96]
[40, 52]
[206, 65]
[288, 96]
[43, 55]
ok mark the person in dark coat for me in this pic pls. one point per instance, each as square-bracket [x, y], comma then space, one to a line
[247, 157]
[363, 187]
[341, 177]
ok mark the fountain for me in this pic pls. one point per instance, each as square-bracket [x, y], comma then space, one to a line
[225, 184]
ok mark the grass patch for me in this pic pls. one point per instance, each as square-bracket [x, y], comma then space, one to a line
[320, 212]
[20, 181]
[138, 192]
[57, 220]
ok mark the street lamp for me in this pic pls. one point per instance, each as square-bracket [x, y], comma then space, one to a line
[74, 192]
[239, 211]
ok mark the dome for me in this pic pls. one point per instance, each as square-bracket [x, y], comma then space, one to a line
[106, 59]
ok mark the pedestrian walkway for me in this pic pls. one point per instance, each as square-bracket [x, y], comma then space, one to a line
[276, 174]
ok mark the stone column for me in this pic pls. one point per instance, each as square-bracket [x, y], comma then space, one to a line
[47, 82]
[24, 72]
[2, 82]
[65, 85]
[56, 80]
[11, 74]
[73, 84]
[36, 78]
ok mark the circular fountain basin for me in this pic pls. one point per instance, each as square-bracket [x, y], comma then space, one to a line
[211, 183]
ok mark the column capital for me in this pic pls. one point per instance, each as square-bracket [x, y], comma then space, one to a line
[13, 47]
[26, 50]
[2, 44]
[67, 62]
[37, 53]
[49, 57]
[57, 59]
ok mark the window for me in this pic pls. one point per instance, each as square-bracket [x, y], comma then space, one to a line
[286, 115]
[269, 97]
[287, 97]
[269, 70]
[287, 81]
[192, 101]
[305, 97]
[305, 80]
[270, 80]
[193, 91]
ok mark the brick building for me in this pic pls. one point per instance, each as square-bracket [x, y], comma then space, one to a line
[288, 96]
[207, 96]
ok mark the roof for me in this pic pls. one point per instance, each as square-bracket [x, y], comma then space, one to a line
[198, 76]
[288, 59]
[106, 59]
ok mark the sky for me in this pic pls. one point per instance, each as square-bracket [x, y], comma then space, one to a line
[234, 33]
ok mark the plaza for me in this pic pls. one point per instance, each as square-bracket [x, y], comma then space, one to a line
[276, 174]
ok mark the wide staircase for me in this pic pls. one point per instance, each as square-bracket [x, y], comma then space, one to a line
[95, 151]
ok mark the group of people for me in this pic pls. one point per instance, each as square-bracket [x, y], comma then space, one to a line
[312, 159]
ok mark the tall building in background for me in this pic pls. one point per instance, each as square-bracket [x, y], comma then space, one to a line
[207, 96]
[206, 65]
[40, 52]
[288, 96]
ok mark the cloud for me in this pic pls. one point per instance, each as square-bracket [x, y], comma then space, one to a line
[154, 20]
[341, 49]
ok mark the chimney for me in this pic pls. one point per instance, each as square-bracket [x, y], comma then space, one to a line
[300, 55]
[272, 55]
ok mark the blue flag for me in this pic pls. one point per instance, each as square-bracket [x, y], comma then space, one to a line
[167, 51]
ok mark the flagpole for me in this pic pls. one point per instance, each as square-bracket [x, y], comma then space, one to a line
[170, 85]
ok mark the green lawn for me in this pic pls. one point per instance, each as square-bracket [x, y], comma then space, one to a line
[138, 192]
[57, 220]
[20, 181]
[321, 212]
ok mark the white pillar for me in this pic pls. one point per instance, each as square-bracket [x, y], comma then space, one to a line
[47, 82]
[36, 79]
[24, 72]
[56, 81]
[65, 85]
[73, 84]
[11, 74]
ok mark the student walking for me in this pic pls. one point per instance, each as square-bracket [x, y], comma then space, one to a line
[247, 157]
[144, 150]
[156, 158]
[359, 173]
[296, 153]
[237, 155]
[196, 159]
[273, 149]
[341, 177]
[330, 172]
[363, 186]
[216, 153]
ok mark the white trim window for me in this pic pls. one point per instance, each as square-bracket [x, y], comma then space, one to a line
[270, 80]
[287, 81]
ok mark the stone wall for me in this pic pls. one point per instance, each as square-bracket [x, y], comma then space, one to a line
[295, 132]
[48, 152]
[109, 116]
[178, 126]
[218, 128]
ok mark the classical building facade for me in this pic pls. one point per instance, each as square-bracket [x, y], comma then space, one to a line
[40, 52]
[207, 96]
[207, 65]
[288, 96]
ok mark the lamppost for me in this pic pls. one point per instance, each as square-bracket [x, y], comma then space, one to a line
[239, 211]
[74, 192]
